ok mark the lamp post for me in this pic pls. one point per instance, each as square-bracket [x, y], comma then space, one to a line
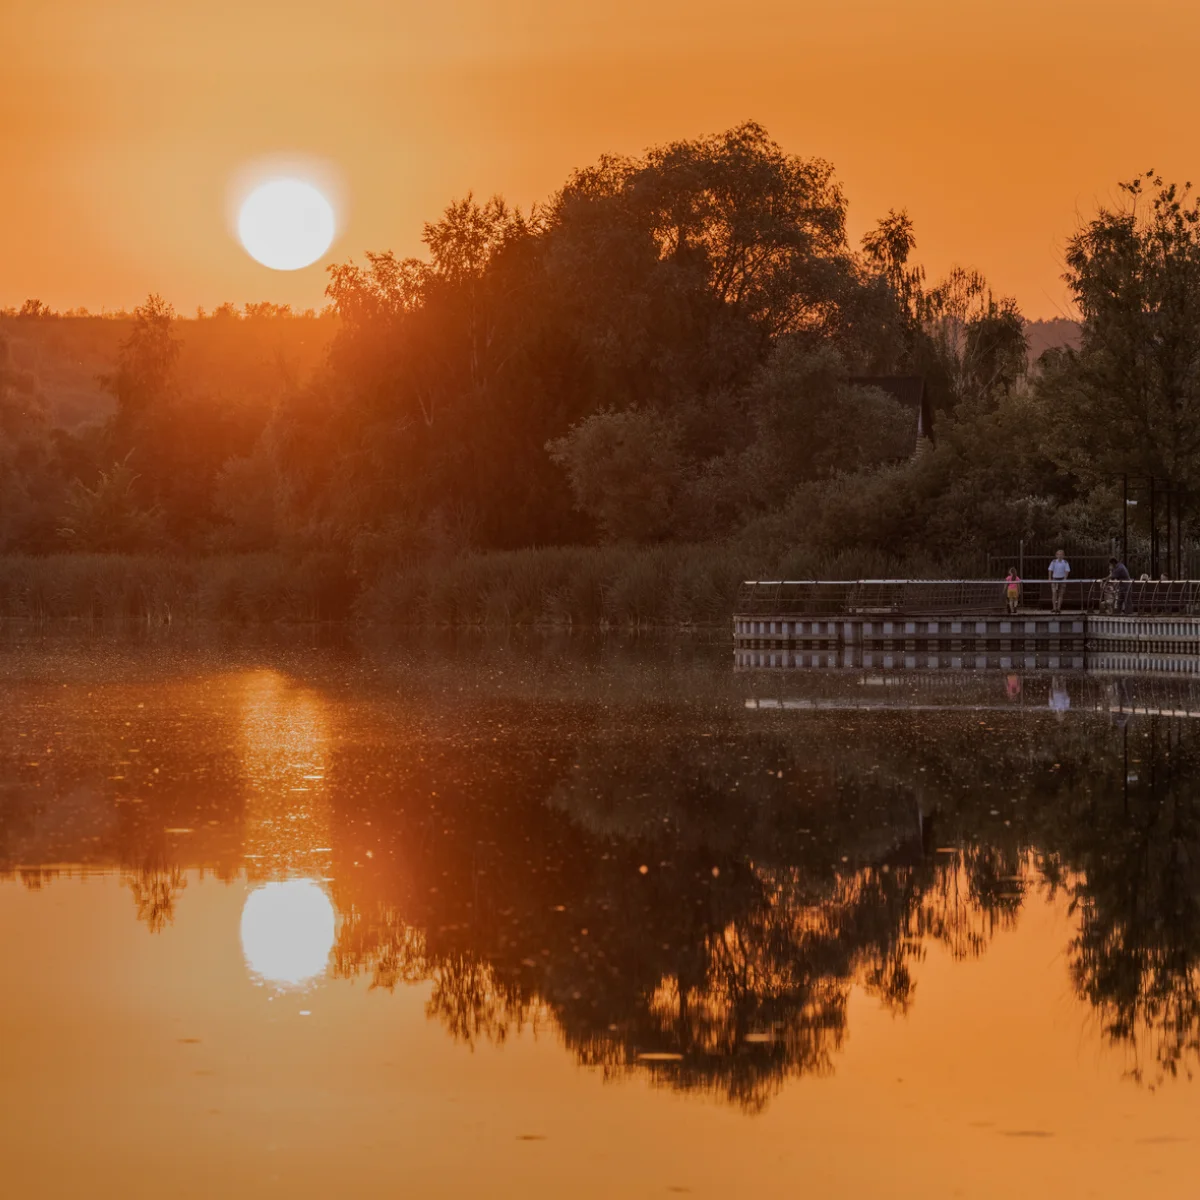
[1169, 494]
[1125, 519]
[1153, 535]
[1174, 497]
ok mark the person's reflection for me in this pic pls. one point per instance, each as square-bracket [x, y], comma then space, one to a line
[1060, 699]
[1012, 686]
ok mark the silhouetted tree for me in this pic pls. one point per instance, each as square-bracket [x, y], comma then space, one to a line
[1128, 400]
[144, 378]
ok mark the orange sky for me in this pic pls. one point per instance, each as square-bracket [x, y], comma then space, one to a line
[998, 124]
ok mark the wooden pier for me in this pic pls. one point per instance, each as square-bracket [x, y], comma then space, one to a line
[850, 658]
[955, 616]
[873, 631]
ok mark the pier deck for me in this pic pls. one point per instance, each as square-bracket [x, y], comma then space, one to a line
[959, 615]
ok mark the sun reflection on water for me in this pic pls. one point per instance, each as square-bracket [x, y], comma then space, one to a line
[288, 930]
[289, 922]
[284, 747]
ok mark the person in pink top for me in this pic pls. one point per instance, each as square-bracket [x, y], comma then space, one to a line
[1012, 589]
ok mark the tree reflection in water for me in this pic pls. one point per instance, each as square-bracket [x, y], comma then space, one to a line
[694, 899]
[156, 886]
[1128, 852]
[671, 903]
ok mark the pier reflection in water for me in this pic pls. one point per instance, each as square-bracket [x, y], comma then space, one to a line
[694, 879]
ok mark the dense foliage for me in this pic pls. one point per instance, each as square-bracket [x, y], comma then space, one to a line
[678, 347]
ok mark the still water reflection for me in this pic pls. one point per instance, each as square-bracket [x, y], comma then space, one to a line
[288, 931]
[619, 856]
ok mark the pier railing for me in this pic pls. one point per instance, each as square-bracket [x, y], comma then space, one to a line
[821, 598]
[1155, 597]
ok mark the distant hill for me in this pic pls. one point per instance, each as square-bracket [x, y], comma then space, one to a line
[1050, 335]
[260, 354]
[223, 355]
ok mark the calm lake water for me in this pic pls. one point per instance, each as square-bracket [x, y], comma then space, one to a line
[292, 915]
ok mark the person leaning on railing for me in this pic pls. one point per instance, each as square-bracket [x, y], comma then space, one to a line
[1119, 573]
[1060, 572]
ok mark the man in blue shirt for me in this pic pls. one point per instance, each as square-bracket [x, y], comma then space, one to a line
[1060, 571]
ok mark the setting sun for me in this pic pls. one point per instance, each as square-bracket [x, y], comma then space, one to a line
[286, 224]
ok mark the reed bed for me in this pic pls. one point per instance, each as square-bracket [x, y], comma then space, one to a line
[605, 586]
[674, 586]
[160, 589]
[572, 585]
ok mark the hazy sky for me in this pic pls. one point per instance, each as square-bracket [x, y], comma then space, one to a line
[999, 125]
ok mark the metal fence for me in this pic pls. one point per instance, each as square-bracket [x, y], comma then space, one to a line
[1090, 560]
[865, 597]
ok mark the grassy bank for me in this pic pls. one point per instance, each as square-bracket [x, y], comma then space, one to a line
[668, 585]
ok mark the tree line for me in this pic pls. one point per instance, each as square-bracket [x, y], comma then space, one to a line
[682, 346]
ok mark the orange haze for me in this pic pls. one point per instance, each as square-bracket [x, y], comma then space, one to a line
[998, 124]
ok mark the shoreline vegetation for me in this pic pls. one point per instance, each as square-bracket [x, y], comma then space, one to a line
[675, 374]
[668, 586]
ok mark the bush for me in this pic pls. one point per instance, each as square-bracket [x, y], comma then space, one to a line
[626, 472]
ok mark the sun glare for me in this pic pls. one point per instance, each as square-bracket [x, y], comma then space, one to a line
[286, 224]
[288, 930]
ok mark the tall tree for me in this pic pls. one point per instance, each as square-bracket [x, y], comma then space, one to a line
[1128, 400]
[145, 369]
[969, 345]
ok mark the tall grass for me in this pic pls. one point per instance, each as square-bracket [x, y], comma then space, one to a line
[668, 585]
[571, 585]
[598, 586]
[161, 589]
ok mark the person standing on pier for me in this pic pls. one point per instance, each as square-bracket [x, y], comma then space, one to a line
[1012, 589]
[1119, 572]
[1060, 572]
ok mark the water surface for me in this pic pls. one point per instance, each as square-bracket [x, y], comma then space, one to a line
[291, 915]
